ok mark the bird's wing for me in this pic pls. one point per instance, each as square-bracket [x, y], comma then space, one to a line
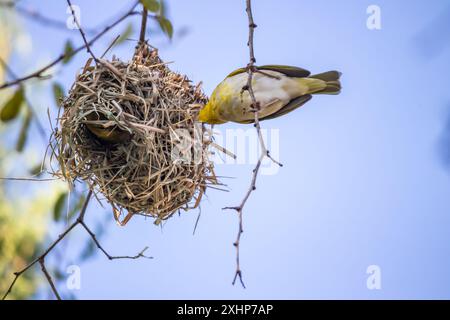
[237, 71]
[287, 70]
[292, 105]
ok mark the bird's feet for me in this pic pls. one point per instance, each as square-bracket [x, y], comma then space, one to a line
[255, 107]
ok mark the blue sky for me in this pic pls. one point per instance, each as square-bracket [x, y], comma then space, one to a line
[362, 184]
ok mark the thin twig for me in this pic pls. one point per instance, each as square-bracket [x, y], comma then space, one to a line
[49, 278]
[110, 46]
[83, 35]
[29, 179]
[39, 73]
[197, 220]
[264, 152]
[41, 258]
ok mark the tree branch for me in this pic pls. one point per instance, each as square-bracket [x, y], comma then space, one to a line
[41, 258]
[39, 73]
[50, 248]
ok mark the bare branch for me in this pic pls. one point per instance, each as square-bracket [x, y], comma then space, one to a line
[41, 258]
[49, 249]
[110, 257]
[264, 152]
[40, 73]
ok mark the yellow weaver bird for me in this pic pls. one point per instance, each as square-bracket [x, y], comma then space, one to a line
[278, 89]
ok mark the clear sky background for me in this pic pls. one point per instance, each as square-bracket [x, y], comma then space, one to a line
[363, 181]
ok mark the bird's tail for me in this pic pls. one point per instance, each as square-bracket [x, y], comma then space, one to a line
[332, 83]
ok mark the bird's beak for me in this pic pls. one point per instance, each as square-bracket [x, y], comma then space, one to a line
[202, 114]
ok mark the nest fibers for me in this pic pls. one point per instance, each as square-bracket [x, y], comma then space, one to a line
[129, 131]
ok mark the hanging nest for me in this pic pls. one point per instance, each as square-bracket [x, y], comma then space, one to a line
[129, 131]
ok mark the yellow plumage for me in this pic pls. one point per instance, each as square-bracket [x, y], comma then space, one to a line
[278, 89]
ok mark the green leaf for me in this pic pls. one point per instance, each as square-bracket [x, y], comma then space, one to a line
[58, 93]
[163, 9]
[36, 171]
[59, 206]
[151, 5]
[166, 26]
[12, 107]
[68, 51]
[125, 34]
[59, 275]
[77, 208]
[24, 131]
[90, 248]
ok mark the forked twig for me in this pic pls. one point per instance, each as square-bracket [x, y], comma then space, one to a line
[110, 257]
[41, 258]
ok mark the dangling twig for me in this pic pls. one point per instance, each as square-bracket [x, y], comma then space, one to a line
[264, 151]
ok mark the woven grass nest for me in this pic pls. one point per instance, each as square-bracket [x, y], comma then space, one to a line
[121, 130]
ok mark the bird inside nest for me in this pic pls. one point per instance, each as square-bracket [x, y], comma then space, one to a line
[105, 129]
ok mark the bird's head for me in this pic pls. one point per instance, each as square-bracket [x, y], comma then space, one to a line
[207, 114]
